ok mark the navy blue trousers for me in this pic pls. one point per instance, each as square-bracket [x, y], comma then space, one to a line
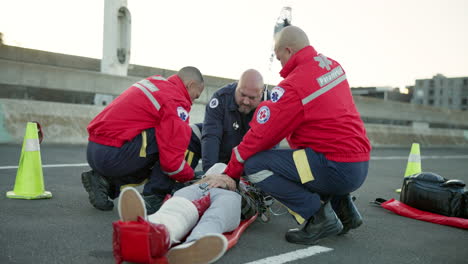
[124, 165]
[275, 172]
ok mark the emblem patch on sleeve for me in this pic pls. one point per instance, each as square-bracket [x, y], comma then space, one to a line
[276, 94]
[182, 113]
[214, 103]
[263, 114]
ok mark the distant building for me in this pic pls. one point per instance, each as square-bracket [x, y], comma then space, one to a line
[440, 91]
[383, 92]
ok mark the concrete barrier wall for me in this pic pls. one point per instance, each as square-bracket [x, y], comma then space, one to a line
[62, 79]
[66, 123]
[61, 123]
[391, 110]
[35, 68]
[21, 74]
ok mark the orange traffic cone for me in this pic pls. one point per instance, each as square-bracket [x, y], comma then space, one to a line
[29, 182]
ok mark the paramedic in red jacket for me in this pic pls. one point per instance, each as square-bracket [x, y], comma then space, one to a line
[144, 133]
[314, 110]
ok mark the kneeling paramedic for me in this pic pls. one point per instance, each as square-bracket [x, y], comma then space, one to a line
[314, 110]
[143, 135]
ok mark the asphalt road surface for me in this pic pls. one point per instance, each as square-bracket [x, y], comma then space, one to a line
[67, 229]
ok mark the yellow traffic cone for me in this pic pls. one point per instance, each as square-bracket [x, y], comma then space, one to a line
[414, 162]
[29, 182]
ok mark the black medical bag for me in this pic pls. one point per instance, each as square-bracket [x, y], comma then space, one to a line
[430, 192]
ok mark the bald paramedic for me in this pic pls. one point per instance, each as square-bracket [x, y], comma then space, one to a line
[314, 110]
[227, 117]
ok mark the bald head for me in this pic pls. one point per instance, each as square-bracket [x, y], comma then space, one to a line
[289, 40]
[252, 79]
[249, 91]
[292, 37]
[193, 81]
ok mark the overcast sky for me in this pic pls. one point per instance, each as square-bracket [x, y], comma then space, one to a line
[378, 42]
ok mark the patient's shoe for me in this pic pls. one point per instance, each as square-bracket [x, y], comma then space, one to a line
[207, 249]
[131, 205]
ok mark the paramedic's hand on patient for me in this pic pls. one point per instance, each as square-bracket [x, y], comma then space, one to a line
[219, 181]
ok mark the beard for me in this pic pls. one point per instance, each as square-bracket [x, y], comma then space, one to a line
[245, 109]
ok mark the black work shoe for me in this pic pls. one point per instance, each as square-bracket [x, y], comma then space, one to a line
[98, 190]
[153, 202]
[323, 224]
[348, 214]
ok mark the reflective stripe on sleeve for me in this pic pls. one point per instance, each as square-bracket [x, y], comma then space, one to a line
[148, 84]
[302, 166]
[238, 156]
[323, 90]
[178, 170]
[149, 95]
[196, 131]
[160, 78]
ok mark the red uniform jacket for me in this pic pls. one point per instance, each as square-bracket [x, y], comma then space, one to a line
[312, 108]
[153, 102]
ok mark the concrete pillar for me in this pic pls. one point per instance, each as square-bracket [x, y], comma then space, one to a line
[117, 35]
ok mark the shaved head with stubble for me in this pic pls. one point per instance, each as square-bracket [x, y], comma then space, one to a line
[288, 41]
[249, 91]
[193, 81]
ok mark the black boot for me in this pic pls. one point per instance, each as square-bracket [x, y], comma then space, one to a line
[348, 214]
[153, 202]
[323, 224]
[98, 189]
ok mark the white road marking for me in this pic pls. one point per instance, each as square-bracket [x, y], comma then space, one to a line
[50, 166]
[372, 158]
[291, 256]
[422, 157]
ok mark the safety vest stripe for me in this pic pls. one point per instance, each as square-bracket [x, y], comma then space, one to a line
[139, 85]
[31, 144]
[323, 89]
[238, 156]
[149, 95]
[159, 78]
[259, 176]
[302, 166]
[196, 131]
[178, 170]
[148, 84]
